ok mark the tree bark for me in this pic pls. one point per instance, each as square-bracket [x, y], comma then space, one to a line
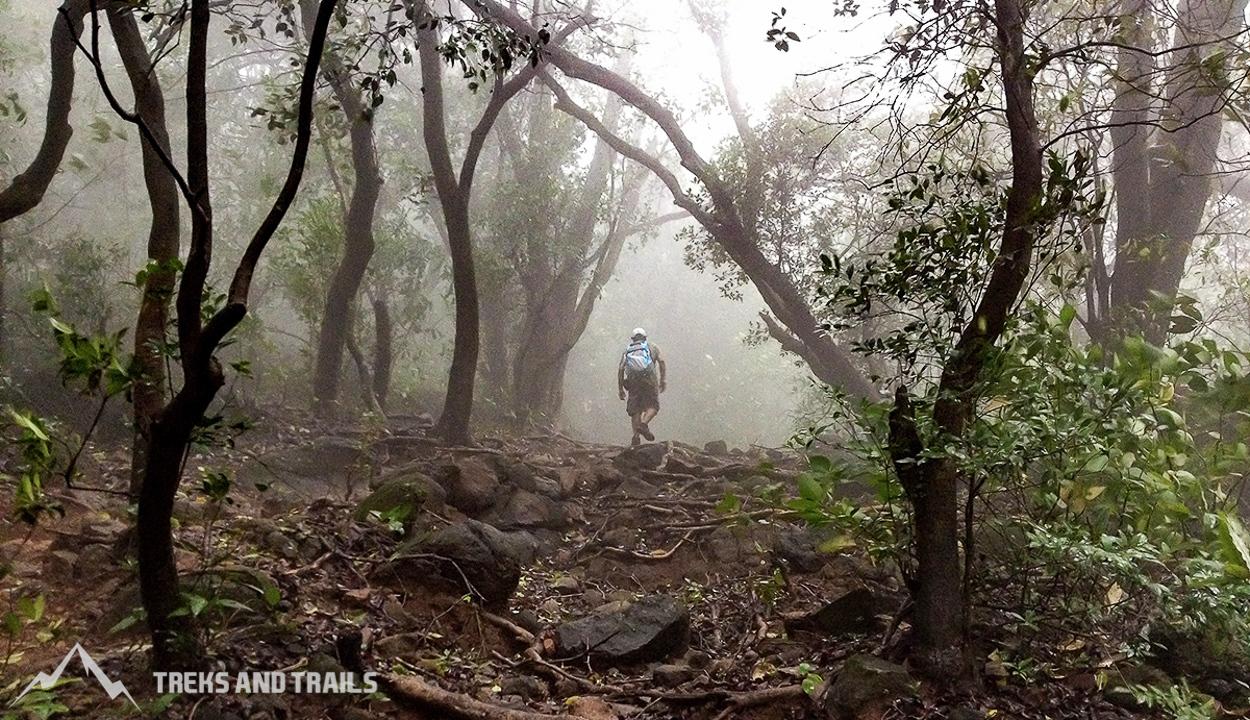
[27, 189]
[932, 481]
[1162, 190]
[148, 395]
[358, 241]
[174, 645]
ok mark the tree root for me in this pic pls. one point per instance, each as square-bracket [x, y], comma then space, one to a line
[416, 695]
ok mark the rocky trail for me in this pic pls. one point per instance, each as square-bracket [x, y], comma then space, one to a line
[516, 580]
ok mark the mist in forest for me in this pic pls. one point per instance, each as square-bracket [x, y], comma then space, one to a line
[719, 387]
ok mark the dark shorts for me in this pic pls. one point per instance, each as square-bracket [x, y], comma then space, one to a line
[642, 396]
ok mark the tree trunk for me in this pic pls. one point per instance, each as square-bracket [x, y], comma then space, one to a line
[148, 396]
[358, 242]
[932, 481]
[1162, 191]
[174, 645]
[26, 190]
[454, 192]
[453, 424]
[383, 355]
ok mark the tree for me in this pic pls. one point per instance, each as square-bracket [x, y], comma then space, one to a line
[556, 226]
[148, 393]
[26, 190]
[720, 215]
[454, 191]
[200, 329]
[932, 482]
[358, 243]
[1165, 126]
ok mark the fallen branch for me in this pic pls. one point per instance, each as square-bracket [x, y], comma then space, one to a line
[767, 696]
[653, 555]
[413, 694]
[517, 631]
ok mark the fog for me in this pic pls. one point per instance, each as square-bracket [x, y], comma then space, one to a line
[719, 388]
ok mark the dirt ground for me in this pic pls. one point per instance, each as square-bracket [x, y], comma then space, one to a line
[290, 582]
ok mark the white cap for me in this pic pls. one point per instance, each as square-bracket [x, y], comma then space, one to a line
[637, 332]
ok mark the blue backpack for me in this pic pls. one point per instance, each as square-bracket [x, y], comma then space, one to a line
[638, 361]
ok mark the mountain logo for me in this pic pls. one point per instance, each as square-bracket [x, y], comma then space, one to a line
[45, 681]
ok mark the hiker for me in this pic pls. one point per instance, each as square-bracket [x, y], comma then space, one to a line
[637, 376]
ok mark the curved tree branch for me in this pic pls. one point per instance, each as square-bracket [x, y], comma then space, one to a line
[27, 189]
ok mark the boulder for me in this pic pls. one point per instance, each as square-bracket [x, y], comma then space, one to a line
[854, 612]
[525, 509]
[716, 447]
[799, 551]
[641, 457]
[471, 484]
[865, 686]
[652, 629]
[473, 556]
[408, 489]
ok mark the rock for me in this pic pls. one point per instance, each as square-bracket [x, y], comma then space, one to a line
[854, 612]
[675, 464]
[572, 478]
[621, 537]
[698, 659]
[526, 686]
[648, 630]
[471, 484]
[865, 686]
[566, 585]
[716, 447]
[105, 531]
[548, 488]
[311, 549]
[529, 620]
[321, 662]
[278, 542]
[641, 457]
[529, 510]
[799, 551]
[94, 561]
[410, 490]
[589, 708]
[633, 488]
[520, 475]
[488, 559]
[965, 713]
[60, 562]
[667, 675]
[325, 461]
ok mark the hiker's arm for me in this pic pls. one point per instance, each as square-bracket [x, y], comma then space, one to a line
[620, 380]
[663, 372]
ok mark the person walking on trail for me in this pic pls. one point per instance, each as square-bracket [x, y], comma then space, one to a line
[640, 375]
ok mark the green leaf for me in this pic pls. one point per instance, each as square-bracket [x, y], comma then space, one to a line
[1067, 315]
[810, 489]
[820, 464]
[1236, 543]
